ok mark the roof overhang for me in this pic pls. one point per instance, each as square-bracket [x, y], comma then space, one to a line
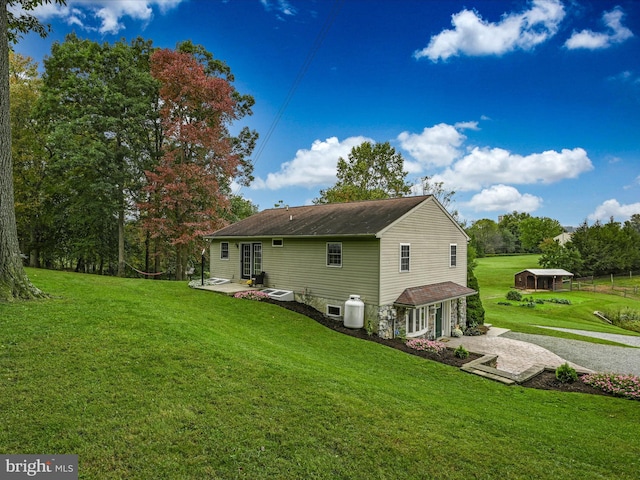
[437, 292]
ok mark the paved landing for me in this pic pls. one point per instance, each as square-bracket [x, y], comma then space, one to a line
[514, 356]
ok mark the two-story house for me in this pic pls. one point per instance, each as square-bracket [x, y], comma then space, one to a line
[405, 257]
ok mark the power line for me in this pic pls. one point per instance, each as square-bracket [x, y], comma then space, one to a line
[337, 5]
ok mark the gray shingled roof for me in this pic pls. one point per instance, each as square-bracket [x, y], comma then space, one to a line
[355, 218]
[438, 292]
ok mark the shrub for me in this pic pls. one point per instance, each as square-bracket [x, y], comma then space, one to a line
[508, 304]
[565, 373]
[627, 386]
[514, 296]
[625, 317]
[424, 345]
[561, 301]
[475, 330]
[252, 295]
[461, 352]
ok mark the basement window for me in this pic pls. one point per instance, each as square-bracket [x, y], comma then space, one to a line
[334, 310]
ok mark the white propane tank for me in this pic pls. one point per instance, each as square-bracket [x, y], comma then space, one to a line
[354, 312]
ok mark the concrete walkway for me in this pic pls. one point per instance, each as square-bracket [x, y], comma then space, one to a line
[633, 341]
[514, 356]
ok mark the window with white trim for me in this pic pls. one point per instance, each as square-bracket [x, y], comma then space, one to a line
[405, 257]
[334, 310]
[277, 242]
[224, 250]
[334, 254]
[453, 255]
[416, 321]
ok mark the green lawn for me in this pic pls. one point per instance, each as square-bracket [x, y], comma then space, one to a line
[150, 379]
[496, 277]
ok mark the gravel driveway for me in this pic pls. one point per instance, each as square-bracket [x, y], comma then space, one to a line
[600, 358]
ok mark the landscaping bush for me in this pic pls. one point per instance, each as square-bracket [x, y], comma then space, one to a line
[565, 373]
[561, 301]
[474, 330]
[251, 295]
[627, 386]
[425, 345]
[475, 310]
[461, 352]
[514, 296]
[626, 318]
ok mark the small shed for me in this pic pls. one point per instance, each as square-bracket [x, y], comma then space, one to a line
[543, 279]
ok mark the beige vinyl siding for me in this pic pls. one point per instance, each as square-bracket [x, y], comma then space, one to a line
[301, 263]
[430, 231]
[227, 268]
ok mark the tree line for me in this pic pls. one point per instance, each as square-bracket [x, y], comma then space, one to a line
[598, 249]
[122, 153]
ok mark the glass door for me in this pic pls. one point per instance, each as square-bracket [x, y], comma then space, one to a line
[250, 260]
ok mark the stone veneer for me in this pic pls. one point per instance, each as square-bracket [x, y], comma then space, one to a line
[388, 315]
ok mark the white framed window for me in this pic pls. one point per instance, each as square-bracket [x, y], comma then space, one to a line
[334, 254]
[453, 255]
[405, 257]
[224, 250]
[277, 242]
[334, 310]
[416, 321]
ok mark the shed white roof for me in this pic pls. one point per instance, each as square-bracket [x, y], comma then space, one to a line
[547, 272]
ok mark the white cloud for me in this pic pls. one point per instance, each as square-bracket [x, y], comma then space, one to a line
[616, 33]
[474, 36]
[503, 198]
[482, 167]
[436, 146]
[311, 168]
[634, 184]
[104, 16]
[612, 208]
[280, 6]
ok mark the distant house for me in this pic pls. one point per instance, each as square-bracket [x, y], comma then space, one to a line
[405, 257]
[543, 279]
[563, 238]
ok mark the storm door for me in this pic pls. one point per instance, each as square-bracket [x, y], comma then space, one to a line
[438, 308]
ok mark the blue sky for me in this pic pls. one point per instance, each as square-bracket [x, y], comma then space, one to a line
[520, 105]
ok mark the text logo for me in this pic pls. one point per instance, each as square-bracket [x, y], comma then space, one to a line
[46, 467]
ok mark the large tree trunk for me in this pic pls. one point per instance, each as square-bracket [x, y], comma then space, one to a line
[14, 283]
[180, 267]
[121, 263]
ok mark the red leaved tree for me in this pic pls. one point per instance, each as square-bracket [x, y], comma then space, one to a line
[188, 192]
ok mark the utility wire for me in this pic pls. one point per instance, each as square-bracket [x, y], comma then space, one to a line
[337, 5]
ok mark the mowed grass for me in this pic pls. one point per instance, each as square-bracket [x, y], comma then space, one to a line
[496, 277]
[150, 379]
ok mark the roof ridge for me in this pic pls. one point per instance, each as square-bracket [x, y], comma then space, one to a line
[337, 204]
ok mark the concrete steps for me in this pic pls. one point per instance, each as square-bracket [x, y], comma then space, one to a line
[482, 367]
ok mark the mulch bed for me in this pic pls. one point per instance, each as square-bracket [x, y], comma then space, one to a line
[544, 381]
